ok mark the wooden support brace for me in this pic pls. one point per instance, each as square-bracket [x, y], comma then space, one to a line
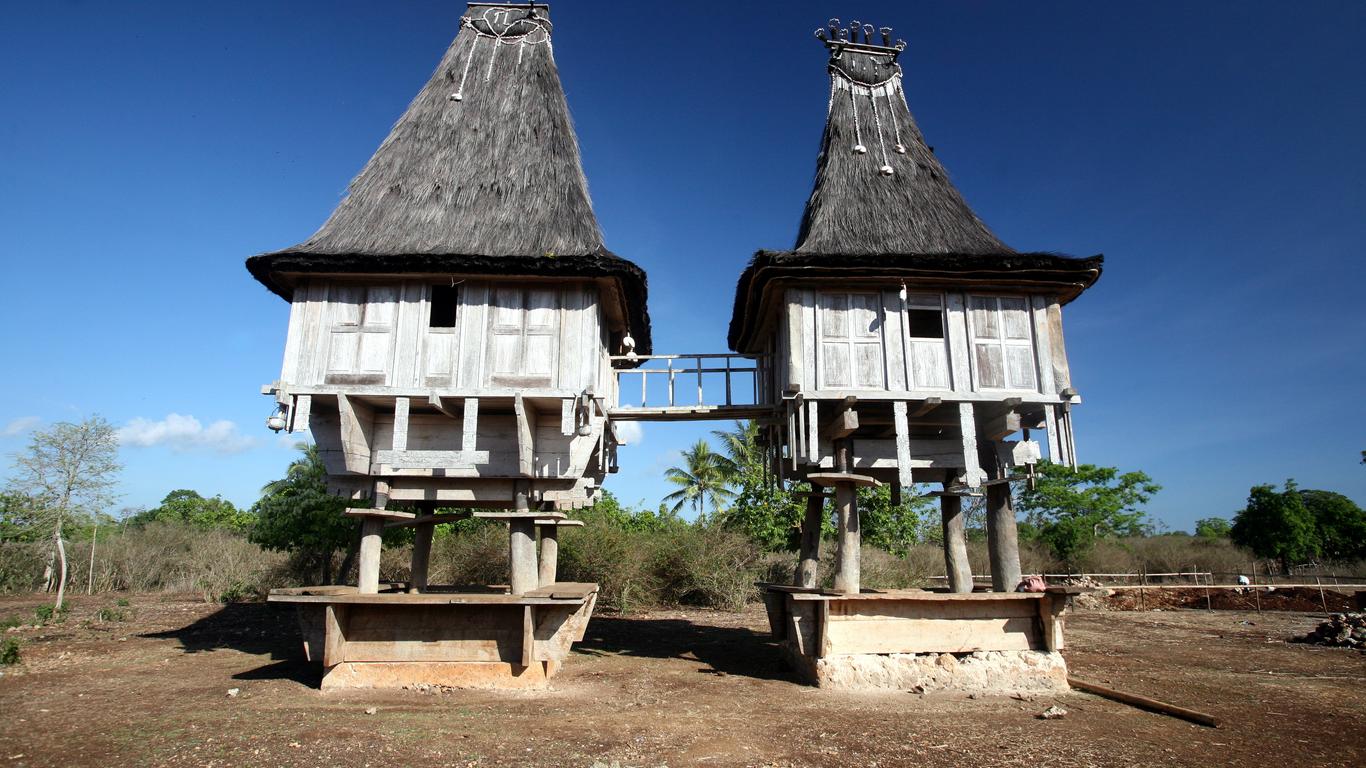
[903, 444]
[526, 428]
[845, 422]
[357, 428]
[1001, 426]
[469, 424]
[303, 405]
[401, 424]
[972, 467]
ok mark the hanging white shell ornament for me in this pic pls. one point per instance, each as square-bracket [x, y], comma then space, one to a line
[901, 149]
[456, 97]
[859, 149]
[885, 170]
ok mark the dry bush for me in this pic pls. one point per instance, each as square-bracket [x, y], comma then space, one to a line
[469, 555]
[21, 565]
[158, 557]
[707, 566]
[617, 560]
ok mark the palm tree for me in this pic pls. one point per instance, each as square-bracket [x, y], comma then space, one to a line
[742, 450]
[701, 480]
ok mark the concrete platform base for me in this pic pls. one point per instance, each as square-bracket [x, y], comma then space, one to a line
[992, 672]
[449, 674]
[981, 642]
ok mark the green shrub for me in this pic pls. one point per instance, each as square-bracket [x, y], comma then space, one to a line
[111, 614]
[9, 652]
[50, 613]
[122, 602]
[11, 621]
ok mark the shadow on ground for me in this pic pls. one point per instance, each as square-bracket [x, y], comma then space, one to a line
[727, 650]
[258, 629]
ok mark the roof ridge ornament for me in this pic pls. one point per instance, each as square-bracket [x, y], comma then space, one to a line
[840, 39]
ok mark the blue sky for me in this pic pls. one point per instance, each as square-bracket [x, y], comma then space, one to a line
[1212, 151]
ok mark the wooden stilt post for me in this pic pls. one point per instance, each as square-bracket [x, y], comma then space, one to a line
[850, 539]
[370, 530]
[1003, 545]
[550, 554]
[956, 563]
[808, 568]
[422, 553]
[522, 544]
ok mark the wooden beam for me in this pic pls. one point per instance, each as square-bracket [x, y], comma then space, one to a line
[382, 515]
[431, 459]
[303, 405]
[1001, 426]
[438, 402]
[427, 521]
[927, 405]
[845, 421]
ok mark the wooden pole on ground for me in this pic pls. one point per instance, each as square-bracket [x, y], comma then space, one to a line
[422, 555]
[1143, 702]
[550, 554]
[850, 539]
[1322, 599]
[808, 568]
[370, 530]
[1003, 544]
[956, 563]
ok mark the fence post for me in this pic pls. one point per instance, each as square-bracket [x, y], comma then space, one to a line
[1322, 600]
[1142, 594]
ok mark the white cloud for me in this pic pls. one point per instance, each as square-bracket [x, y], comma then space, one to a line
[21, 425]
[630, 432]
[185, 433]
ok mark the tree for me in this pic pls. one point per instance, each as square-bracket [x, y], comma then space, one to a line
[187, 507]
[1212, 528]
[1339, 525]
[701, 480]
[1276, 524]
[894, 528]
[69, 472]
[298, 514]
[1070, 508]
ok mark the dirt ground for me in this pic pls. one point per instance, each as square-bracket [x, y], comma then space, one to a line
[677, 688]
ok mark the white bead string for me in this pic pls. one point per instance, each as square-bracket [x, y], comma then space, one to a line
[521, 41]
[859, 149]
[896, 124]
[460, 90]
[488, 73]
[886, 169]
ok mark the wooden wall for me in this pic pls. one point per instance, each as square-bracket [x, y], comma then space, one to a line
[510, 335]
[932, 343]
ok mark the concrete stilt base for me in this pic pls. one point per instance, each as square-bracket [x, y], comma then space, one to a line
[449, 674]
[991, 672]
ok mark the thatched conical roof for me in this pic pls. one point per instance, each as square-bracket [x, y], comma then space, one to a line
[883, 204]
[480, 175]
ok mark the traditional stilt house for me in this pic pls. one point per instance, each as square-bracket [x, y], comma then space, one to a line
[449, 346]
[909, 344]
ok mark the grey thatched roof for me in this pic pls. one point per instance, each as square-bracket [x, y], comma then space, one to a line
[480, 175]
[883, 204]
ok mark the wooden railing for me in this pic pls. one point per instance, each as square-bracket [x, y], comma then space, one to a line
[692, 383]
